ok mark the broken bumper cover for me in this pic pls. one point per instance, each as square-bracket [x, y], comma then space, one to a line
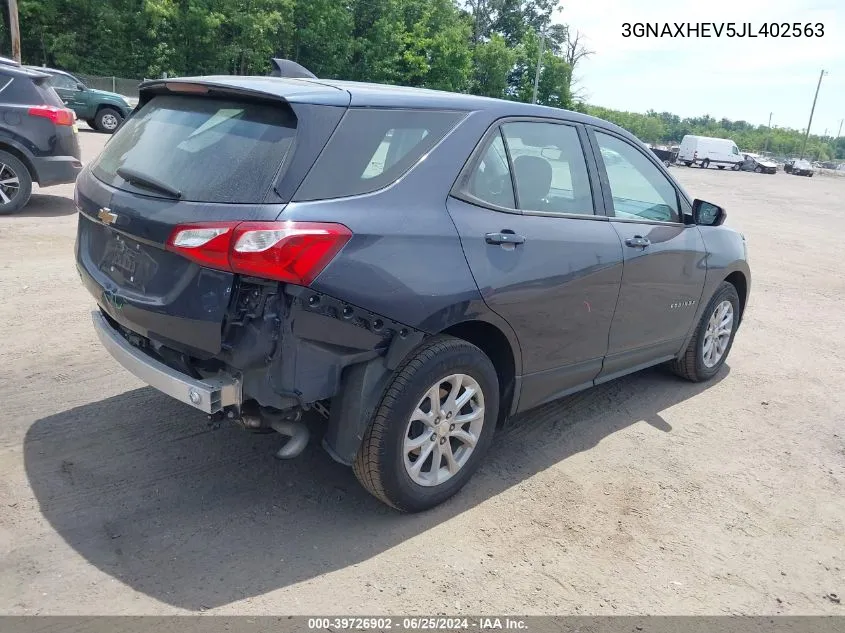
[210, 395]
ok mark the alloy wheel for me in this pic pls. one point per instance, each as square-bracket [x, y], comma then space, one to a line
[109, 122]
[718, 333]
[10, 184]
[443, 430]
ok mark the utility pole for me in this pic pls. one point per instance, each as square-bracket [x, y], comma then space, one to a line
[769, 132]
[15, 30]
[812, 110]
[839, 133]
[539, 65]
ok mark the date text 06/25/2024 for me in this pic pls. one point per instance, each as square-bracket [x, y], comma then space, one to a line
[722, 29]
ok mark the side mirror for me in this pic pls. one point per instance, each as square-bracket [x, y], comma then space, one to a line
[708, 214]
[81, 86]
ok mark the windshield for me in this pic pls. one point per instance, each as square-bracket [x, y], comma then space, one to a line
[207, 150]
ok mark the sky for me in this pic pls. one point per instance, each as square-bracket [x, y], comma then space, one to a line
[736, 78]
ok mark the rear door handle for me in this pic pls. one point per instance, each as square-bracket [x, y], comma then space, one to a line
[638, 241]
[504, 237]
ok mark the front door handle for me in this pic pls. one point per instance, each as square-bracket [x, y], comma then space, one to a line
[505, 236]
[638, 241]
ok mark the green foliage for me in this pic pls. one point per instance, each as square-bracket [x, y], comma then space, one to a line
[492, 62]
[668, 128]
[489, 49]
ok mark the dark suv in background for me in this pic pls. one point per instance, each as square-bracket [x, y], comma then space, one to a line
[415, 265]
[38, 136]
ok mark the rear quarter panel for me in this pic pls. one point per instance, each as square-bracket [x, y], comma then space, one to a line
[405, 259]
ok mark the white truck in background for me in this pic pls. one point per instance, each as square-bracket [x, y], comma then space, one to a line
[706, 150]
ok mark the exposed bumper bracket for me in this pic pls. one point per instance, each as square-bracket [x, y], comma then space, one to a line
[210, 395]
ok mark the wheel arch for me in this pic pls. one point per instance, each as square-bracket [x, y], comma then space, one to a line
[739, 281]
[15, 151]
[491, 340]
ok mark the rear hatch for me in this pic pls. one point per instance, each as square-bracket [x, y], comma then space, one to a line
[65, 141]
[214, 150]
[35, 115]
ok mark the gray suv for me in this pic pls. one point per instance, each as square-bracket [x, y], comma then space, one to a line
[414, 265]
[39, 140]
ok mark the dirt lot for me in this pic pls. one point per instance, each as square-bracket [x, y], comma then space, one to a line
[646, 495]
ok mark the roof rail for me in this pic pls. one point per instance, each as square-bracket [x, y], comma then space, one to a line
[288, 68]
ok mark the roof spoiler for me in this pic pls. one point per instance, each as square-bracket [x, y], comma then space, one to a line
[287, 68]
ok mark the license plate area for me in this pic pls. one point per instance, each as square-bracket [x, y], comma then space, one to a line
[128, 263]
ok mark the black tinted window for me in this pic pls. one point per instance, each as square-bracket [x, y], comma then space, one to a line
[372, 148]
[210, 150]
[25, 90]
[490, 180]
[550, 170]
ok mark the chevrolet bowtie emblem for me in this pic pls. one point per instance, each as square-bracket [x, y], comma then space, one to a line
[106, 216]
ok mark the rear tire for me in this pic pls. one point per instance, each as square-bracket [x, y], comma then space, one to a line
[403, 430]
[720, 166]
[108, 120]
[15, 184]
[688, 164]
[710, 344]
[758, 170]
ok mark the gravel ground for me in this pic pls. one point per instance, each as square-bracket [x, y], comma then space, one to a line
[645, 495]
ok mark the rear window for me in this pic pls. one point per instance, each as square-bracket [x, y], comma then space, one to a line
[210, 150]
[20, 89]
[372, 148]
[46, 93]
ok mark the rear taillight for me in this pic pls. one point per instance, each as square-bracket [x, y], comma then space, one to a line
[294, 252]
[59, 116]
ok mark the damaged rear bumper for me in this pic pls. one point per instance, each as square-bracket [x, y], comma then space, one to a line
[211, 395]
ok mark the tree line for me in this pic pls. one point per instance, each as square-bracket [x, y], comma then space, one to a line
[488, 47]
[485, 47]
[668, 128]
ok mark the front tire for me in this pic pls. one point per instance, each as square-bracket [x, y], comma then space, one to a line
[108, 120]
[15, 184]
[758, 170]
[711, 343]
[706, 163]
[432, 428]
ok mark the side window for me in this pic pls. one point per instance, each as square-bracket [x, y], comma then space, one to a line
[490, 181]
[372, 148]
[62, 81]
[550, 170]
[639, 189]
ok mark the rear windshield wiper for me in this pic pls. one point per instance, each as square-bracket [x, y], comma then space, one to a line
[147, 182]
